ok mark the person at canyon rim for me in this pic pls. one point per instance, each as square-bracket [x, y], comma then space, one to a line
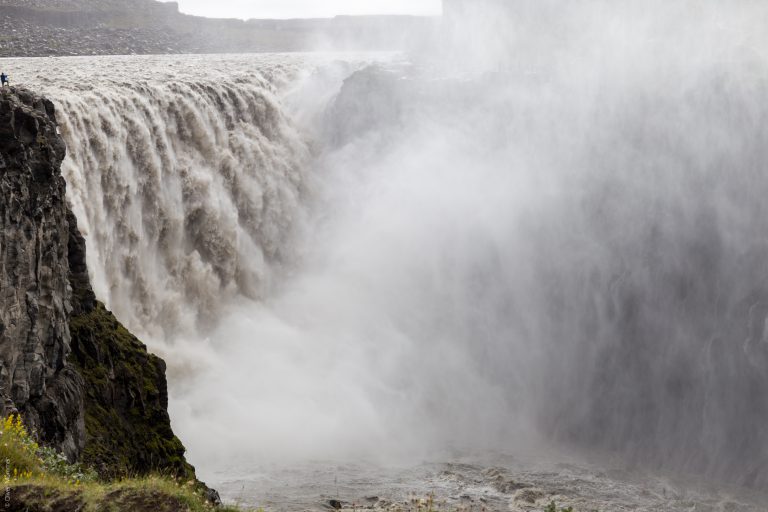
[3, 79]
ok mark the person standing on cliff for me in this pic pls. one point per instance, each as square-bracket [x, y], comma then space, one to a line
[4, 79]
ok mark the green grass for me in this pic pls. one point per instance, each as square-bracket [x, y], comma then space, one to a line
[147, 494]
[41, 479]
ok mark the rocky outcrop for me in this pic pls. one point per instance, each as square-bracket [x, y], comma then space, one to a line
[81, 381]
[35, 293]
[128, 430]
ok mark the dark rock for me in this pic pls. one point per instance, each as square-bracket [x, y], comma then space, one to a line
[212, 496]
[35, 499]
[84, 300]
[35, 293]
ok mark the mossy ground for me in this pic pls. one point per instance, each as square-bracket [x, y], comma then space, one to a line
[38, 480]
[147, 494]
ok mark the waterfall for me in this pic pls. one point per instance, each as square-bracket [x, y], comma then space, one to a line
[394, 260]
[187, 191]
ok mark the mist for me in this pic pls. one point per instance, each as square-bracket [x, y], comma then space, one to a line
[550, 233]
[543, 227]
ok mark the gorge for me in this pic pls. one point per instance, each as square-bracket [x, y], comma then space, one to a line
[373, 260]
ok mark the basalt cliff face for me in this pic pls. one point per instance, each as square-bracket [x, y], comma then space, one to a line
[80, 380]
[35, 291]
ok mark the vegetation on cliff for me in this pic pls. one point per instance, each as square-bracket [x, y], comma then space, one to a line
[127, 428]
[40, 479]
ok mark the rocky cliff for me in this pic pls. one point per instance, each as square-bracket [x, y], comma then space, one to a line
[35, 290]
[81, 381]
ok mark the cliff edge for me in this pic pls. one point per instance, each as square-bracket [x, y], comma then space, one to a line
[81, 381]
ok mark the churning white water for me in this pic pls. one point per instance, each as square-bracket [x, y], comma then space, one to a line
[372, 261]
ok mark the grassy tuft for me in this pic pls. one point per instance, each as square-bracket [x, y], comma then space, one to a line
[39, 478]
[147, 494]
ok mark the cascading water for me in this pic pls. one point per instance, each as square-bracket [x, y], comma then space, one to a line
[347, 260]
[187, 189]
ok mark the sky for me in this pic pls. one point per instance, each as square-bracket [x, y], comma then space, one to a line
[306, 8]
